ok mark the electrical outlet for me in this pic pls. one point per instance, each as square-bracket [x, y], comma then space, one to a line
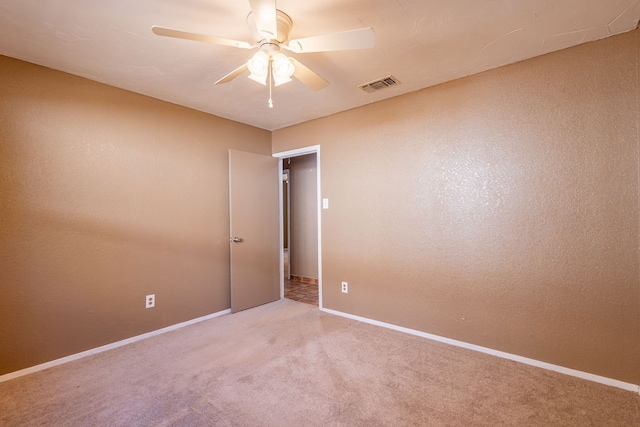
[150, 301]
[345, 287]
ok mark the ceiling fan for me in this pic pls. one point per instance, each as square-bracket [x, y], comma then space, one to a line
[270, 28]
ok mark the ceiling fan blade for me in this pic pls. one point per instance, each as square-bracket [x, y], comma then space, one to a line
[264, 14]
[168, 32]
[251, 23]
[362, 38]
[307, 76]
[232, 75]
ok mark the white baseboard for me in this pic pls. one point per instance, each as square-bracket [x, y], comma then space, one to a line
[516, 358]
[544, 365]
[32, 369]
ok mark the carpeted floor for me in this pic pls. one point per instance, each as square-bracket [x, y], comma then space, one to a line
[288, 364]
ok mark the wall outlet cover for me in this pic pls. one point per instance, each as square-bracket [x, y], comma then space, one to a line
[150, 301]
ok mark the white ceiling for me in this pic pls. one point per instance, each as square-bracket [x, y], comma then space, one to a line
[420, 42]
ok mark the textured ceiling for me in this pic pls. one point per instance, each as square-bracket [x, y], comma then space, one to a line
[420, 42]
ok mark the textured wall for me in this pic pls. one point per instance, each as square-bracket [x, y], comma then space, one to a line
[106, 196]
[500, 209]
[303, 253]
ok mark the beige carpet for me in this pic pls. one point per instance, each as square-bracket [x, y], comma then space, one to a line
[288, 364]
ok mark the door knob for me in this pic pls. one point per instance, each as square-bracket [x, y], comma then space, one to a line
[235, 239]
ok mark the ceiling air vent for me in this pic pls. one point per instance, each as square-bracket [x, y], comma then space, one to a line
[379, 84]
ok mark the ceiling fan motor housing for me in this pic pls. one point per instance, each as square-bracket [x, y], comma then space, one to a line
[283, 22]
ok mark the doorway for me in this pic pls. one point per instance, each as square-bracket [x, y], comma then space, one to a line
[300, 225]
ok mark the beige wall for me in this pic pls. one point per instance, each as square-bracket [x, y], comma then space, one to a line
[500, 209]
[303, 253]
[106, 196]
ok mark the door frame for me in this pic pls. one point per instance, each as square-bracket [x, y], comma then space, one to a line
[313, 149]
[288, 172]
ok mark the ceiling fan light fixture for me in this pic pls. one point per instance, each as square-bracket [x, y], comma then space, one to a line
[282, 68]
[259, 67]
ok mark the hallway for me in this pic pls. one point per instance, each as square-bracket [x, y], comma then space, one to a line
[298, 290]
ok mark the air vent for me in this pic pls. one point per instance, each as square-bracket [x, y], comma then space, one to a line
[379, 84]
